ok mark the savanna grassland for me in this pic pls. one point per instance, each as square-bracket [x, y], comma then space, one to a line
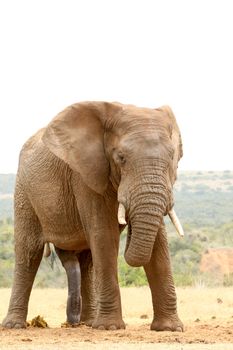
[206, 312]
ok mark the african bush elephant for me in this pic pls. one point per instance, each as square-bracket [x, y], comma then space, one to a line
[94, 168]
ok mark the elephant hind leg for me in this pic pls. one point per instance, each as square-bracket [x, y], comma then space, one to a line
[28, 254]
[71, 265]
[88, 288]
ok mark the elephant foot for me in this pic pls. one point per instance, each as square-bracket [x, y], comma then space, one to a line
[14, 321]
[73, 320]
[108, 324]
[88, 317]
[172, 324]
[87, 321]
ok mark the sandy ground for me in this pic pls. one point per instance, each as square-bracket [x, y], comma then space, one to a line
[206, 313]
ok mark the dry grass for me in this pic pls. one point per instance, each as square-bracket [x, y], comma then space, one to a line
[193, 303]
[212, 307]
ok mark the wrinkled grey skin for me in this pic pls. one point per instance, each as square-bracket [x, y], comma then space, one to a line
[72, 176]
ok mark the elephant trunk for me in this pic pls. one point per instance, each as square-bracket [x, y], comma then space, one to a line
[147, 208]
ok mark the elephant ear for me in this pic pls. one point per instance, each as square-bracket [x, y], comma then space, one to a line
[175, 138]
[76, 135]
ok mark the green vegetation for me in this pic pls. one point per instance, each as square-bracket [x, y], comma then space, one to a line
[204, 203]
[6, 255]
[130, 276]
[204, 198]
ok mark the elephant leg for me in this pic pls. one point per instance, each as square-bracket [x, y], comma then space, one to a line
[109, 314]
[161, 283]
[71, 265]
[99, 220]
[88, 290]
[28, 254]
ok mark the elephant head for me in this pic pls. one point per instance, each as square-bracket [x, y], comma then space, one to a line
[136, 149]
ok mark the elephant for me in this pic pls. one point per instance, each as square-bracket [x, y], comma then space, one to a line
[97, 167]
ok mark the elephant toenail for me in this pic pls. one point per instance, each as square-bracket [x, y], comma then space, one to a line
[112, 327]
[18, 326]
[101, 328]
[179, 329]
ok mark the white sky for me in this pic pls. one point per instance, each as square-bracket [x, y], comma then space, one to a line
[148, 53]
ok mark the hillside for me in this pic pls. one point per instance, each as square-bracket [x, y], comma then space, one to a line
[204, 198]
[217, 260]
[7, 184]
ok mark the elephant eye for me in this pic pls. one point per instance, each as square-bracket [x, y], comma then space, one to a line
[121, 158]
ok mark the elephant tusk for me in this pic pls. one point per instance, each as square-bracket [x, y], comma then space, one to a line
[121, 214]
[47, 250]
[176, 222]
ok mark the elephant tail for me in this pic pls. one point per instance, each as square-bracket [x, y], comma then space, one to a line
[47, 250]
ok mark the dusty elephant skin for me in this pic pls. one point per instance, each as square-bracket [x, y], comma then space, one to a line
[71, 179]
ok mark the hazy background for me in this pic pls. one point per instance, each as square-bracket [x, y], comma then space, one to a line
[149, 53]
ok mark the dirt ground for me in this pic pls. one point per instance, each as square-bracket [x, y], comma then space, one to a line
[206, 313]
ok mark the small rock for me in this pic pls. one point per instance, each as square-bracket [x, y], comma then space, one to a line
[144, 317]
[219, 301]
[177, 340]
[197, 320]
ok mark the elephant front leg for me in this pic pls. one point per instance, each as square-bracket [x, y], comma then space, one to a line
[104, 253]
[161, 283]
[99, 220]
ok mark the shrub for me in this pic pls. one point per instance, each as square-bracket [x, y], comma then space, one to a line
[228, 280]
[130, 276]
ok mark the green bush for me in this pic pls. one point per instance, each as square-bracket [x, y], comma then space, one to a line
[183, 280]
[130, 276]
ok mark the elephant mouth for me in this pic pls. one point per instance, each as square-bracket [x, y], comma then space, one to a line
[171, 213]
